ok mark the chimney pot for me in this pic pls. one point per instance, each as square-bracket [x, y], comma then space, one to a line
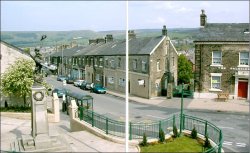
[164, 31]
[203, 18]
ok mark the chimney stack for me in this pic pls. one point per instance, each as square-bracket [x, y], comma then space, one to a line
[203, 18]
[164, 31]
[131, 34]
[109, 38]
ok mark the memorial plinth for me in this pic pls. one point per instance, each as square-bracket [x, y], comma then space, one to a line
[39, 140]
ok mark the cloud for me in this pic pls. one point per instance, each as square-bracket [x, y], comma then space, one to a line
[205, 4]
[158, 20]
[183, 10]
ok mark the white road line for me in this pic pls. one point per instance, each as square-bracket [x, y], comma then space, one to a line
[156, 116]
[240, 144]
[223, 127]
[227, 143]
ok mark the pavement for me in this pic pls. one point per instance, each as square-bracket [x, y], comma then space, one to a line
[230, 106]
[82, 141]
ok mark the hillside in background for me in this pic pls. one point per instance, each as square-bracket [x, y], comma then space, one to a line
[32, 38]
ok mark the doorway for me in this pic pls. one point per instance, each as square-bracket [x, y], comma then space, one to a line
[242, 89]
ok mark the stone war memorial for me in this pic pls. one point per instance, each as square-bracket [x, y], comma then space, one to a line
[39, 140]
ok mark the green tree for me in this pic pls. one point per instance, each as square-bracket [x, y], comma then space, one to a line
[18, 79]
[27, 50]
[184, 70]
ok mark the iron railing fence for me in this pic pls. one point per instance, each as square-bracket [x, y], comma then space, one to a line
[136, 130]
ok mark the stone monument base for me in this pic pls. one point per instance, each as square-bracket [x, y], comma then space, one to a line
[41, 143]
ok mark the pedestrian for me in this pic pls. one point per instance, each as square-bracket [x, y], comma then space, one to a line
[91, 87]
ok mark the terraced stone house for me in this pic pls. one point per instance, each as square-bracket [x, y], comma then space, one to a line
[152, 63]
[222, 59]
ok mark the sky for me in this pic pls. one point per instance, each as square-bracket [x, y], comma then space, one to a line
[111, 15]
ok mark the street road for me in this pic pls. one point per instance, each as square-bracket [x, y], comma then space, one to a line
[235, 127]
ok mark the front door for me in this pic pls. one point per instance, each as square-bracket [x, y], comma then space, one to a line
[242, 89]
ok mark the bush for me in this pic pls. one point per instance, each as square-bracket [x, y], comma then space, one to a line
[194, 133]
[207, 142]
[144, 140]
[16, 109]
[175, 131]
[161, 136]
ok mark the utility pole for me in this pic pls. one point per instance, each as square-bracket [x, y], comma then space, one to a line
[181, 119]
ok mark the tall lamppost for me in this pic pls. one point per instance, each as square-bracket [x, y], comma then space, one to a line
[181, 119]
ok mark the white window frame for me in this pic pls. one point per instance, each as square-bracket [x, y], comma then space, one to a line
[134, 64]
[119, 62]
[96, 62]
[112, 63]
[214, 64]
[111, 80]
[211, 85]
[158, 66]
[121, 82]
[101, 62]
[240, 59]
[97, 77]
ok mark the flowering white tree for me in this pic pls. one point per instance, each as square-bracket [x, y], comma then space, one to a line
[18, 79]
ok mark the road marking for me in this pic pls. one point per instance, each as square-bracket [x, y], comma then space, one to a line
[156, 116]
[224, 127]
[240, 144]
[227, 143]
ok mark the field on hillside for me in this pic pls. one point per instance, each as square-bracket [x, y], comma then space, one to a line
[32, 38]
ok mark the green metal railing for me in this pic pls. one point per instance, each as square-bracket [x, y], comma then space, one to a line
[136, 130]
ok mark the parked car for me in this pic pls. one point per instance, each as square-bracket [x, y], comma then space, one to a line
[99, 89]
[85, 86]
[69, 80]
[60, 92]
[61, 78]
[78, 83]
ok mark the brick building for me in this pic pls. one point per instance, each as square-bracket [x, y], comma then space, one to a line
[222, 59]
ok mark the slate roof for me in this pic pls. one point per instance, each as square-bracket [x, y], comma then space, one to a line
[68, 52]
[137, 46]
[14, 47]
[224, 32]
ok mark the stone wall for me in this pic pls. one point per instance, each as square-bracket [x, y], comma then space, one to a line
[203, 61]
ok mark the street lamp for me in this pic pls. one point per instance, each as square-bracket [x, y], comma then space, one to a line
[181, 119]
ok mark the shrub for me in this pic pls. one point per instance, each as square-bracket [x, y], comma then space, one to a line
[161, 136]
[194, 133]
[207, 142]
[175, 131]
[144, 140]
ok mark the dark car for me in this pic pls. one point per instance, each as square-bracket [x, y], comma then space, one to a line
[85, 86]
[61, 78]
[70, 80]
[60, 92]
[99, 89]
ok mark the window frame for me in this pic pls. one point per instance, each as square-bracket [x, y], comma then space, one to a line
[214, 64]
[158, 65]
[244, 59]
[144, 66]
[211, 81]
[135, 67]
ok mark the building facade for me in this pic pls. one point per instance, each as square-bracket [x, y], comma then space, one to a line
[222, 59]
[152, 64]
[9, 55]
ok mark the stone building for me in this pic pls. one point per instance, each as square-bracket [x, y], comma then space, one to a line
[9, 55]
[222, 59]
[152, 64]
